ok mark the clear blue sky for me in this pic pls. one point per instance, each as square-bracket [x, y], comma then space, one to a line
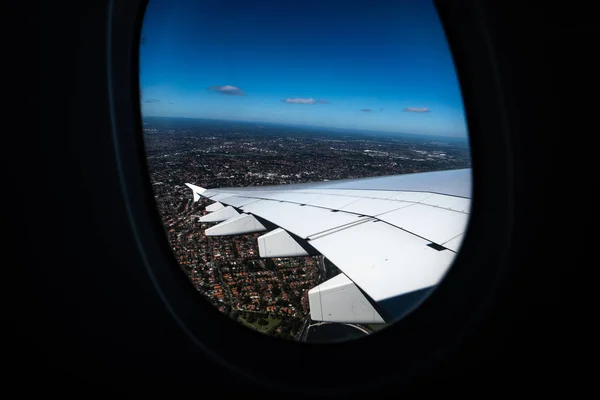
[330, 60]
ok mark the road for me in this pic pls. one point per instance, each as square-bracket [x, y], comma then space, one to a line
[305, 329]
[228, 295]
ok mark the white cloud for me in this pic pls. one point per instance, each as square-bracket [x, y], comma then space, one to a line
[300, 101]
[416, 109]
[228, 89]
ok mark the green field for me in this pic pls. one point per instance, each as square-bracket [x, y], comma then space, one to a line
[272, 325]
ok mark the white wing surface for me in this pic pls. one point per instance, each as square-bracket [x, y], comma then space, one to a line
[393, 237]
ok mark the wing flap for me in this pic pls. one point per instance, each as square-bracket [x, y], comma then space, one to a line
[221, 196]
[435, 224]
[333, 202]
[453, 203]
[384, 261]
[454, 243]
[238, 201]
[303, 221]
[292, 197]
[373, 207]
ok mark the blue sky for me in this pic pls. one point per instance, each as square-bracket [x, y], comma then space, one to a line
[373, 65]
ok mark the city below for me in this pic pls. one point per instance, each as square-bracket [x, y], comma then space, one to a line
[269, 295]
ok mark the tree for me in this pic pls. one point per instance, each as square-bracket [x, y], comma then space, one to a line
[272, 329]
[281, 303]
[269, 264]
[295, 325]
[285, 329]
[276, 291]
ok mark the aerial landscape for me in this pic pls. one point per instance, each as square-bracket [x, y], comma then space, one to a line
[236, 94]
[269, 295]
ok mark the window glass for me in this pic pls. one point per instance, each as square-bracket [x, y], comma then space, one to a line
[241, 100]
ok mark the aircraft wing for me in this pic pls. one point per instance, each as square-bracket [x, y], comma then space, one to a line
[392, 237]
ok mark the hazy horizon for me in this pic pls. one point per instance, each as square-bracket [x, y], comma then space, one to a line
[293, 125]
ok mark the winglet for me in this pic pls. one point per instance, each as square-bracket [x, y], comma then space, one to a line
[197, 190]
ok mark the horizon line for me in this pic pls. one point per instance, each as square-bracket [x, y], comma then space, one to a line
[465, 137]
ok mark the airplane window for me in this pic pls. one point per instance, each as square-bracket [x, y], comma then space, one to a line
[310, 160]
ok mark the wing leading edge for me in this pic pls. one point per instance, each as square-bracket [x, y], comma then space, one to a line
[392, 237]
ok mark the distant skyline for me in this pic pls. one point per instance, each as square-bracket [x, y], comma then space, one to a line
[381, 65]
